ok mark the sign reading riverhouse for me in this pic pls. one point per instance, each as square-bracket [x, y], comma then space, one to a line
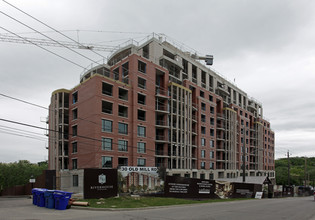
[100, 183]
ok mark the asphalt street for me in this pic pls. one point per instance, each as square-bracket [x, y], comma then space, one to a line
[287, 208]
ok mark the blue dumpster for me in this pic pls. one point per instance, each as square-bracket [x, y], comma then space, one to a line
[49, 199]
[61, 199]
[34, 196]
[40, 197]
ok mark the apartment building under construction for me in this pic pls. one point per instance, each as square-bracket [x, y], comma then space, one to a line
[155, 105]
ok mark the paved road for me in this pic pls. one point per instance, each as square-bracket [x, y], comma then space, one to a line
[302, 208]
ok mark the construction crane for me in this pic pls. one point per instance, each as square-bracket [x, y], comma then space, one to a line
[45, 42]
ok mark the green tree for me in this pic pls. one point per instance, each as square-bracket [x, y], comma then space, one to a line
[19, 173]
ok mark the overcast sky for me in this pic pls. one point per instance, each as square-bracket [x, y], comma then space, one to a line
[267, 47]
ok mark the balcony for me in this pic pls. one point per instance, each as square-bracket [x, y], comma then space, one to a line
[170, 61]
[194, 106]
[221, 127]
[160, 153]
[251, 107]
[220, 116]
[161, 92]
[220, 137]
[194, 118]
[222, 90]
[161, 123]
[161, 138]
[161, 108]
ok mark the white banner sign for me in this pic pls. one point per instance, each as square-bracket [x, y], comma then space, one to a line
[258, 195]
[139, 169]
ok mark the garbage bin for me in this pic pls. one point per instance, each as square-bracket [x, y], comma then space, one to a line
[40, 197]
[61, 199]
[34, 196]
[49, 199]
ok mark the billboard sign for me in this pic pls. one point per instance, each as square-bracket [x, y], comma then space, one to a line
[182, 187]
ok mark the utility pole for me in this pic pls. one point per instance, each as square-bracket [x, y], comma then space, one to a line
[288, 154]
[305, 172]
[243, 156]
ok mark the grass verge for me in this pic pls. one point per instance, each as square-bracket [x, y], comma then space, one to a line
[130, 202]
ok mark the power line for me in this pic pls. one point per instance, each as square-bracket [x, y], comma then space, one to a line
[20, 135]
[20, 130]
[26, 102]
[84, 137]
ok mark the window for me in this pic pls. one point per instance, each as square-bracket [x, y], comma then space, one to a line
[74, 147]
[75, 180]
[203, 165]
[203, 118]
[107, 144]
[123, 111]
[74, 114]
[116, 73]
[141, 99]
[107, 162]
[211, 110]
[123, 94]
[141, 147]
[122, 161]
[211, 132]
[125, 72]
[107, 89]
[142, 66]
[141, 83]
[203, 142]
[211, 177]
[74, 97]
[141, 131]
[212, 121]
[203, 130]
[203, 106]
[194, 73]
[202, 176]
[74, 164]
[122, 145]
[141, 115]
[211, 165]
[202, 94]
[203, 154]
[107, 107]
[211, 143]
[122, 128]
[210, 98]
[211, 154]
[141, 162]
[107, 126]
[74, 131]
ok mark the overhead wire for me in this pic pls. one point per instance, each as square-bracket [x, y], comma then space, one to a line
[20, 130]
[70, 61]
[21, 135]
[49, 26]
[63, 45]
[99, 148]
